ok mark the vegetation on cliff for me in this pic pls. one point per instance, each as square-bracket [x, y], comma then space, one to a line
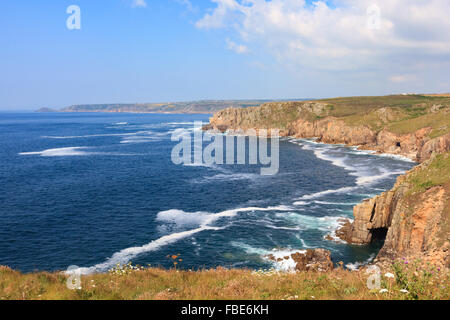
[399, 282]
[413, 218]
[397, 113]
[411, 125]
[435, 173]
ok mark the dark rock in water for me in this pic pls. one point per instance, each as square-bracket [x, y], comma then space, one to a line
[309, 260]
[344, 231]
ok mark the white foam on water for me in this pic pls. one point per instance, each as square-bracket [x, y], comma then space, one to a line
[227, 177]
[366, 173]
[99, 135]
[179, 217]
[395, 156]
[337, 203]
[306, 222]
[59, 152]
[326, 192]
[178, 123]
[304, 245]
[73, 151]
[285, 265]
[301, 203]
[127, 254]
[269, 225]
[356, 265]
[368, 180]
[142, 139]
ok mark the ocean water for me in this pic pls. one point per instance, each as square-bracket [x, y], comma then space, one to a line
[94, 190]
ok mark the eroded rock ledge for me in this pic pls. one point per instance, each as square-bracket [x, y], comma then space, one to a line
[412, 218]
[308, 260]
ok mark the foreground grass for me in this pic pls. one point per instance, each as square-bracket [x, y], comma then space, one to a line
[159, 284]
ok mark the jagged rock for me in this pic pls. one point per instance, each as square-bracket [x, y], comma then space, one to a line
[412, 224]
[436, 145]
[309, 260]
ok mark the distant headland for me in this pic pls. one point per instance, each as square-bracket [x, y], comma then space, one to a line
[200, 106]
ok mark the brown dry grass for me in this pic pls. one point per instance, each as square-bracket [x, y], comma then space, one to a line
[217, 284]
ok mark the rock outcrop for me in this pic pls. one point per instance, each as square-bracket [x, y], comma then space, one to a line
[413, 218]
[312, 120]
[309, 260]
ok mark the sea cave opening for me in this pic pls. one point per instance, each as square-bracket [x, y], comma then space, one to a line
[379, 234]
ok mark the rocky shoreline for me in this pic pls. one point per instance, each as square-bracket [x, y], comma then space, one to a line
[417, 146]
[412, 223]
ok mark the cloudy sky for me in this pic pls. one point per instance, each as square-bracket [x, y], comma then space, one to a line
[175, 50]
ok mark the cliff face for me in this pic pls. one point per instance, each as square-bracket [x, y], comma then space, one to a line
[412, 218]
[312, 120]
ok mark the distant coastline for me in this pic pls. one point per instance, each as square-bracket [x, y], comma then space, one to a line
[201, 106]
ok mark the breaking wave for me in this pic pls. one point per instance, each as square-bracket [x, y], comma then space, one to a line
[181, 218]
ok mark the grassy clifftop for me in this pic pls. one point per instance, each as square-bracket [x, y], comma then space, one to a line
[398, 113]
[158, 284]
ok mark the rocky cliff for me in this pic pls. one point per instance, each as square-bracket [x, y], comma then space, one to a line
[315, 120]
[412, 218]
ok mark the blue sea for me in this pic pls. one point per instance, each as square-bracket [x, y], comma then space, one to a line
[97, 189]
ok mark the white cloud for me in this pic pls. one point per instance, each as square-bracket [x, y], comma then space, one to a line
[139, 4]
[346, 36]
[187, 4]
[238, 48]
[403, 78]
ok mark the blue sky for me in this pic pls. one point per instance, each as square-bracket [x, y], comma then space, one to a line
[178, 50]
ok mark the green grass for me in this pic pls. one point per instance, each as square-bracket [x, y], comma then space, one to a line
[438, 122]
[360, 105]
[399, 114]
[437, 173]
[220, 283]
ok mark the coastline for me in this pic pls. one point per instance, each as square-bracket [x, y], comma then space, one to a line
[380, 217]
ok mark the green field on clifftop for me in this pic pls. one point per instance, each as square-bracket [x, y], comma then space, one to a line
[399, 114]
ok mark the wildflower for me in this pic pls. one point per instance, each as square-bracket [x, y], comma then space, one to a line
[389, 275]
[312, 297]
[404, 291]
[384, 290]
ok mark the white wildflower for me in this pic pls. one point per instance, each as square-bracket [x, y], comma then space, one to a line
[384, 290]
[404, 291]
[389, 275]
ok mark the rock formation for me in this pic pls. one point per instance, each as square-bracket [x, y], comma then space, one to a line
[309, 260]
[312, 120]
[413, 218]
